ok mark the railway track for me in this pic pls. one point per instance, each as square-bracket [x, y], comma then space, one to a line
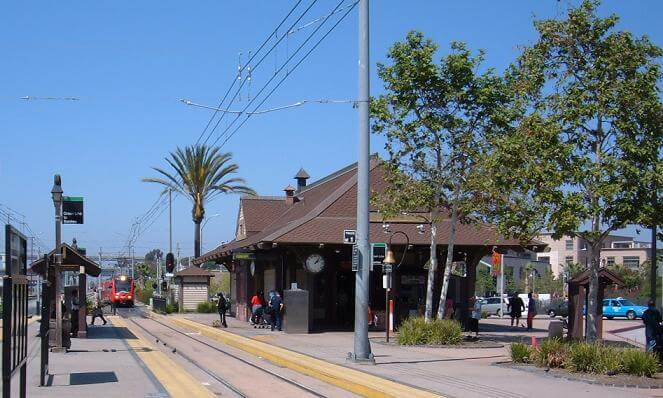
[179, 347]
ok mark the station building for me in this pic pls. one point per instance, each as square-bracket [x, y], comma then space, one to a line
[298, 239]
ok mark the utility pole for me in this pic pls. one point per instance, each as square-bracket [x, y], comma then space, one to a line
[362, 346]
[158, 276]
[170, 220]
[177, 266]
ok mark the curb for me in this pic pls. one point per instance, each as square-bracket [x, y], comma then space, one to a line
[349, 379]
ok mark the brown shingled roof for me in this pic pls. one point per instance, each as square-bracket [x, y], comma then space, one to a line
[193, 271]
[326, 207]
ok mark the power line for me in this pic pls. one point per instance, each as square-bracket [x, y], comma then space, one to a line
[285, 76]
[216, 125]
[278, 108]
[209, 122]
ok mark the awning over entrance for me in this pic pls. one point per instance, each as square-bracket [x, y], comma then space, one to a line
[72, 260]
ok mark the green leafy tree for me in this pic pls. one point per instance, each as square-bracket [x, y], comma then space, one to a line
[434, 116]
[151, 256]
[583, 154]
[200, 173]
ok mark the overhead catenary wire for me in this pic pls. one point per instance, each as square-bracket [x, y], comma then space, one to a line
[278, 108]
[264, 43]
[284, 77]
[243, 81]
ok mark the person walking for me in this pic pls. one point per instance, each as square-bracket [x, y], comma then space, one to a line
[276, 306]
[515, 308]
[74, 312]
[475, 316]
[652, 320]
[222, 307]
[531, 310]
[97, 311]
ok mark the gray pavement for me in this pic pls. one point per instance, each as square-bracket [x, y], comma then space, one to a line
[466, 372]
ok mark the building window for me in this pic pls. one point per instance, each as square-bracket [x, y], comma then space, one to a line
[569, 244]
[610, 261]
[631, 261]
[568, 260]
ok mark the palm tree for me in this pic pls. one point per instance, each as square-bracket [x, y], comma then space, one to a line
[201, 173]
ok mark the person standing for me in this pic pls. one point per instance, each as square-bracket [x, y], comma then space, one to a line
[257, 304]
[531, 310]
[475, 316]
[97, 311]
[652, 320]
[515, 308]
[74, 312]
[276, 306]
[222, 306]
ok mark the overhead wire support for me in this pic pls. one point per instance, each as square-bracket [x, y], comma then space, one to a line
[286, 75]
[264, 43]
[209, 135]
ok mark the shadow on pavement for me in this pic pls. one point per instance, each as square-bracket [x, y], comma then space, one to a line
[76, 379]
[109, 332]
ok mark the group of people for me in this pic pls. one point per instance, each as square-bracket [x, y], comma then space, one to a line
[271, 311]
[515, 307]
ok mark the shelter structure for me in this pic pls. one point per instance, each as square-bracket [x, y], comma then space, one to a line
[192, 287]
[72, 260]
[578, 289]
[304, 240]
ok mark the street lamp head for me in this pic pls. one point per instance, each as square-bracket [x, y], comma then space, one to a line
[56, 191]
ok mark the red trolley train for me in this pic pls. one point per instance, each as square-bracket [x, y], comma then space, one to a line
[119, 290]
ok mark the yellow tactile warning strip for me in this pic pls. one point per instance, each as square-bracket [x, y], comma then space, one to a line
[348, 379]
[172, 376]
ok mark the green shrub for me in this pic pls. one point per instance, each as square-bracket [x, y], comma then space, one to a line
[416, 331]
[521, 353]
[551, 353]
[144, 294]
[594, 358]
[206, 307]
[639, 363]
[170, 308]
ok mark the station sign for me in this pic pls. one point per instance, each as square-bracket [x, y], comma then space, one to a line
[72, 210]
[379, 251]
[244, 256]
[355, 258]
[349, 236]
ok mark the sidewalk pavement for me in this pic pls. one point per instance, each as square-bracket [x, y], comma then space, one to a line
[102, 365]
[453, 372]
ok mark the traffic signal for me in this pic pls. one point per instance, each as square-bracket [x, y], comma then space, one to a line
[154, 285]
[170, 263]
[164, 286]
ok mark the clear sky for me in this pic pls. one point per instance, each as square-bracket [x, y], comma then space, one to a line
[130, 61]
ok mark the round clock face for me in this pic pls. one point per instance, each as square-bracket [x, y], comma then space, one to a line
[252, 268]
[315, 263]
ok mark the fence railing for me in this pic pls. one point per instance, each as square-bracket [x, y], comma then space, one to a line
[14, 332]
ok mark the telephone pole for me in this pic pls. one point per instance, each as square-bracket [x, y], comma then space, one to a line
[170, 220]
[362, 346]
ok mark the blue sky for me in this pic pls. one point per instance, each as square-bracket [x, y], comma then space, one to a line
[130, 61]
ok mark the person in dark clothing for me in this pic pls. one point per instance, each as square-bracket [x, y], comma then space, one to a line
[222, 306]
[515, 308]
[97, 311]
[276, 305]
[652, 320]
[74, 313]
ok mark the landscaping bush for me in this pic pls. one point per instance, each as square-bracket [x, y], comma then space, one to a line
[643, 364]
[144, 294]
[594, 358]
[551, 353]
[521, 353]
[416, 331]
[170, 308]
[206, 307]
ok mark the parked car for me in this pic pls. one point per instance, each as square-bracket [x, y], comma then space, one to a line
[491, 305]
[558, 307]
[620, 307]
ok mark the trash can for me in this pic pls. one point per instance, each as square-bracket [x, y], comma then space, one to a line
[296, 315]
[555, 330]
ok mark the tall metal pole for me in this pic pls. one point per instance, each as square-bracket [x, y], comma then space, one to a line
[56, 193]
[132, 250]
[362, 346]
[501, 285]
[170, 220]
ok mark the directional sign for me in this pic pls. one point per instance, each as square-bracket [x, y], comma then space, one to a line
[349, 236]
[355, 258]
[72, 210]
[379, 251]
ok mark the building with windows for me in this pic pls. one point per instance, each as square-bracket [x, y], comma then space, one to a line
[616, 250]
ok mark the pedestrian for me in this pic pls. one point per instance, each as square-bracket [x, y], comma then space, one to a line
[74, 312]
[531, 310]
[276, 306]
[475, 316]
[97, 311]
[257, 304]
[652, 320]
[515, 308]
[222, 306]
[449, 308]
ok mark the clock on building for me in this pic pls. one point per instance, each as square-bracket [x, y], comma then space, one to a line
[315, 263]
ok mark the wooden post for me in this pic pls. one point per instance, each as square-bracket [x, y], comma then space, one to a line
[82, 303]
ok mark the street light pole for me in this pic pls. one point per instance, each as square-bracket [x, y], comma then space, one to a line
[56, 194]
[362, 346]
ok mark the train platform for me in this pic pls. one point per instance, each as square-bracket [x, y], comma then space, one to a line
[114, 361]
[451, 372]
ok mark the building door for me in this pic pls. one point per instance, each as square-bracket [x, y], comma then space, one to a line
[344, 298]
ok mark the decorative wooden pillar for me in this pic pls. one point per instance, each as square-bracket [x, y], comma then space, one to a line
[82, 303]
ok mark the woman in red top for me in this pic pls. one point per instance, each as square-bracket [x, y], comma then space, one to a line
[257, 304]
